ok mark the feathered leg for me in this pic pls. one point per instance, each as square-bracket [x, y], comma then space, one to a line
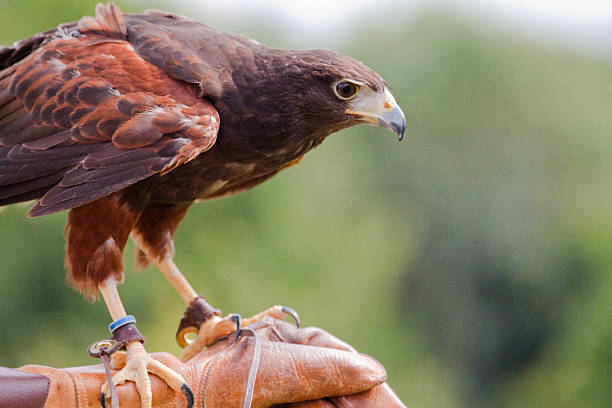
[96, 235]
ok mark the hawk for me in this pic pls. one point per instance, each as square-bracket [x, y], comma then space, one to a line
[126, 120]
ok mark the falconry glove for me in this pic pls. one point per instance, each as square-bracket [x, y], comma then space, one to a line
[305, 368]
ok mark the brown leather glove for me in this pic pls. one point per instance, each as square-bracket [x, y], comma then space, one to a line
[305, 368]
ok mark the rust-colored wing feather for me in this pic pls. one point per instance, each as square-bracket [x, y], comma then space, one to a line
[83, 115]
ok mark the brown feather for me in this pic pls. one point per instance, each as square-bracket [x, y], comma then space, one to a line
[55, 97]
[154, 231]
[93, 248]
[109, 117]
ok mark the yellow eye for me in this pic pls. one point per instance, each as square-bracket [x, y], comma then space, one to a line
[346, 90]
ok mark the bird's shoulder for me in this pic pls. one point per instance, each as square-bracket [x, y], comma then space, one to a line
[194, 52]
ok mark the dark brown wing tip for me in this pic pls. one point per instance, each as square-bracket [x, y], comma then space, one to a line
[36, 211]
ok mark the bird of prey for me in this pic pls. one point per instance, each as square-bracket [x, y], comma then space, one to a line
[128, 119]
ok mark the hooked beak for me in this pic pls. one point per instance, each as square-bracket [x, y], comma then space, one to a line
[394, 120]
[379, 109]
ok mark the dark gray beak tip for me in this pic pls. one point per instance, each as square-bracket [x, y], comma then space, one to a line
[396, 121]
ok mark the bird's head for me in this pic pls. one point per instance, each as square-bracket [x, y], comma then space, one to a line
[313, 93]
[370, 106]
[339, 90]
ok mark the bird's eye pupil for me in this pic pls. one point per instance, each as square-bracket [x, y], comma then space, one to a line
[346, 89]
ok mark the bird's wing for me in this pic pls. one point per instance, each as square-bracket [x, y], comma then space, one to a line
[84, 115]
[191, 51]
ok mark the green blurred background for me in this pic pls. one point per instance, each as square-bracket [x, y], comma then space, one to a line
[473, 260]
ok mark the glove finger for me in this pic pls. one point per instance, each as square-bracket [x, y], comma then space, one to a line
[312, 404]
[380, 396]
[309, 335]
[305, 372]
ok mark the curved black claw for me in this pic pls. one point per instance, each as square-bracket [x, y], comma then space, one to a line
[292, 313]
[185, 388]
[238, 320]
[188, 394]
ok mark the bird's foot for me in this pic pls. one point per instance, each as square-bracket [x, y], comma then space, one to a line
[276, 312]
[136, 365]
[216, 328]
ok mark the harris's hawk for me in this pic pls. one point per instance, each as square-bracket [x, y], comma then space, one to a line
[126, 120]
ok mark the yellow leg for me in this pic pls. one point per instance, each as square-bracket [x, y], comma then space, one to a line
[111, 297]
[138, 363]
[177, 280]
[215, 327]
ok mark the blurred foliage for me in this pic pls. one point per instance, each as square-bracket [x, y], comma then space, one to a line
[472, 260]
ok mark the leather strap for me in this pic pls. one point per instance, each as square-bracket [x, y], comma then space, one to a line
[19, 389]
[254, 368]
[122, 336]
[125, 335]
[250, 385]
[113, 388]
[103, 349]
[198, 311]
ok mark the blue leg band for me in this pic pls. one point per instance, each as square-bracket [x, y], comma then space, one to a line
[121, 322]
